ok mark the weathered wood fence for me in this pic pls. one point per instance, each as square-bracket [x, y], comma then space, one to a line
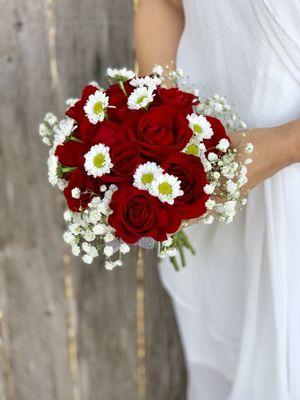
[67, 330]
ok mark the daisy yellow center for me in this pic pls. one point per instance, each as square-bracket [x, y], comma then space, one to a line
[197, 128]
[192, 149]
[165, 188]
[147, 178]
[98, 108]
[141, 99]
[99, 160]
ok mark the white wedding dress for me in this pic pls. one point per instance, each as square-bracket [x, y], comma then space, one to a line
[237, 302]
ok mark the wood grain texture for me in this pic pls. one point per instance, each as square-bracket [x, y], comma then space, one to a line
[90, 35]
[166, 376]
[31, 277]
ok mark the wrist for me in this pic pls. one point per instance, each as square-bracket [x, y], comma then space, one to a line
[292, 134]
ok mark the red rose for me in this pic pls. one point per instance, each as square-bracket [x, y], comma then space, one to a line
[88, 187]
[179, 100]
[77, 112]
[159, 132]
[86, 128]
[109, 133]
[125, 158]
[137, 214]
[190, 172]
[219, 133]
[71, 154]
[118, 101]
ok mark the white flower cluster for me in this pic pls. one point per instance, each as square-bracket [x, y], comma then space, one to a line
[120, 75]
[150, 176]
[55, 133]
[226, 176]
[89, 234]
[168, 248]
[218, 107]
[144, 91]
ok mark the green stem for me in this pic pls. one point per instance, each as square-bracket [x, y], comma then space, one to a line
[186, 241]
[66, 170]
[121, 84]
[75, 139]
[180, 246]
[175, 263]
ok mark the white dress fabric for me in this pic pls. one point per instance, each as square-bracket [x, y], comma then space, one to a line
[237, 302]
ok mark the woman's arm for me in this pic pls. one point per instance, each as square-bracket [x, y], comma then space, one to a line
[157, 30]
[158, 25]
[274, 149]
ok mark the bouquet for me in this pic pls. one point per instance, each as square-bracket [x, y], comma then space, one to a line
[136, 161]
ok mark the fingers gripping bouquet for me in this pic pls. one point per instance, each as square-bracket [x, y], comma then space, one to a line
[137, 160]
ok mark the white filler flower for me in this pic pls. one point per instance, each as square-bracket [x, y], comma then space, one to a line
[95, 106]
[122, 74]
[166, 187]
[140, 98]
[145, 174]
[148, 81]
[52, 169]
[75, 193]
[158, 70]
[97, 160]
[200, 126]
[223, 145]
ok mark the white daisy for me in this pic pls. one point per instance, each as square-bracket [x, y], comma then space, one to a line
[166, 187]
[200, 126]
[95, 106]
[122, 74]
[145, 174]
[97, 160]
[140, 98]
[148, 81]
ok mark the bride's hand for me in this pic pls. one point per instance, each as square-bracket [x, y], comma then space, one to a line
[274, 149]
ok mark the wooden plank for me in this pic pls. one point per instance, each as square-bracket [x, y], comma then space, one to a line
[31, 273]
[90, 36]
[166, 376]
